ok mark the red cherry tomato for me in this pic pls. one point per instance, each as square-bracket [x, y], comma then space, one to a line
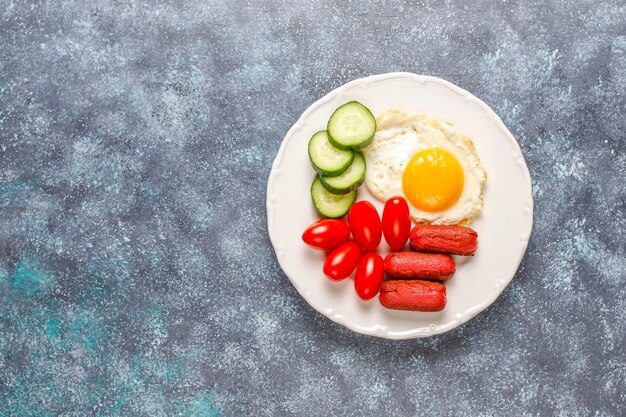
[340, 263]
[369, 276]
[396, 223]
[326, 234]
[365, 225]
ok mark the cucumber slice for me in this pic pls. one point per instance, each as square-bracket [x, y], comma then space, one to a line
[325, 158]
[352, 126]
[349, 180]
[330, 205]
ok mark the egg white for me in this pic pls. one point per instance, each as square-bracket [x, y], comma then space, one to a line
[398, 138]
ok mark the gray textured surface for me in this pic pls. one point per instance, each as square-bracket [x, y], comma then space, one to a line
[136, 276]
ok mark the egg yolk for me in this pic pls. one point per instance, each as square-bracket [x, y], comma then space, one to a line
[433, 180]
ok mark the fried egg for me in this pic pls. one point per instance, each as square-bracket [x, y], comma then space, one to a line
[432, 165]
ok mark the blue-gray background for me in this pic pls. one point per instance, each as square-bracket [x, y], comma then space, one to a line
[136, 275]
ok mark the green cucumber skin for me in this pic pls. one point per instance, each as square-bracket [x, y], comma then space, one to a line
[341, 191]
[354, 148]
[321, 210]
[329, 173]
[362, 145]
[333, 189]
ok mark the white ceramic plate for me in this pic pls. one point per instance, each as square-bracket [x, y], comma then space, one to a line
[503, 228]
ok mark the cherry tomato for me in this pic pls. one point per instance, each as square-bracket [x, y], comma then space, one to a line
[340, 263]
[365, 225]
[369, 276]
[396, 223]
[326, 234]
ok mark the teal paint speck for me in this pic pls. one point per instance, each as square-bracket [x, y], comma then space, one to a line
[89, 330]
[174, 370]
[10, 190]
[29, 279]
[201, 408]
[120, 402]
[52, 328]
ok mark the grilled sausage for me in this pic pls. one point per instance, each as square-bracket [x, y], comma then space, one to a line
[414, 295]
[455, 240]
[419, 265]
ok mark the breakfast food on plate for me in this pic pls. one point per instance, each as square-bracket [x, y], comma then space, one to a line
[340, 263]
[428, 162]
[326, 234]
[409, 273]
[414, 265]
[414, 295]
[369, 276]
[334, 154]
[396, 223]
[365, 225]
[351, 126]
[423, 170]
[456, 240]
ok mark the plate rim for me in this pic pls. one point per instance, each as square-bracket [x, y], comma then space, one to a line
[379, 330]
